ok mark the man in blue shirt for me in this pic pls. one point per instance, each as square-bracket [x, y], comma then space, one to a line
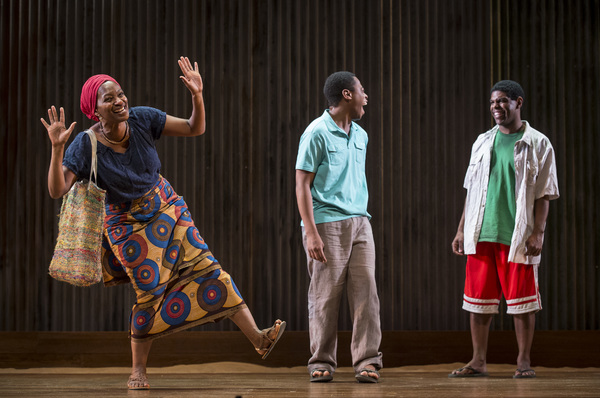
[331, 190]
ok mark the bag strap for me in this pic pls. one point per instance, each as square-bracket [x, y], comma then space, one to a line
[94, 164]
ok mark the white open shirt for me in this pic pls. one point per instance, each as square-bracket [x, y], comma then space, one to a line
[535, 177]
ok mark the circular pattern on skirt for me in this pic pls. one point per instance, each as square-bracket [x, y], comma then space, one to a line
[117, 234]
[235, 289]
[212, 294]
[147, 275]
[116, 219]
[116, 208]
[160, 291]
[211, 275]
[168, 190]
[173, 254]
[159, 231]
[193, 236]
[142, 322]
[175, 308]
[147, 207]
[134, 251]
[183, 215]
[114, 269]
[165, 190]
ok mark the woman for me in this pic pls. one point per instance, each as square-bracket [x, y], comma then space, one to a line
[149, 239]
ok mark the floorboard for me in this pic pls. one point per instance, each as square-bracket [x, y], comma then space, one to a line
[228, 379]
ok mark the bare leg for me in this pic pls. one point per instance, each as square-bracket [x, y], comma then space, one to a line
[245, 321]
[480, 330]
[524, 329]
[139, 353]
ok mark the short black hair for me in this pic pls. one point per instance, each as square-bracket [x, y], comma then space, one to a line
[335, 84]
[510, 87]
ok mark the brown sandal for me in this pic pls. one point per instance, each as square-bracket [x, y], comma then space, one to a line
[279, 327]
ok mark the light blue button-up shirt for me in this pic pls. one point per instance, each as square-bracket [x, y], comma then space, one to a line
[339, 190]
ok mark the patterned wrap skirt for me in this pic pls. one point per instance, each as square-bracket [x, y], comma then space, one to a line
[153, 244]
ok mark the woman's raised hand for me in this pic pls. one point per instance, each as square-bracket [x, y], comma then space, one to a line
[57, 131]
[191, 77]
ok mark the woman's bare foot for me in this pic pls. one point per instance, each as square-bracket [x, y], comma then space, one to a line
[138, 381]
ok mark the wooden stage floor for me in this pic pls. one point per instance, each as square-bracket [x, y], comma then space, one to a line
[233, 379]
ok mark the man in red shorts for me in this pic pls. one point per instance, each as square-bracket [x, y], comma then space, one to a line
[510, 180]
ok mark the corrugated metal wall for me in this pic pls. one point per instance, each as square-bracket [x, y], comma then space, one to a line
[427, 67]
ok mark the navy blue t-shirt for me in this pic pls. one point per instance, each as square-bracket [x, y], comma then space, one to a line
[124, 176]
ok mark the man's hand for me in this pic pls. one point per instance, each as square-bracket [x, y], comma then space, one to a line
[458, 244]
[533, 245]
[315, 247]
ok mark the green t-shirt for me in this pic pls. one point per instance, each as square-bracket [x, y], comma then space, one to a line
[500, 206]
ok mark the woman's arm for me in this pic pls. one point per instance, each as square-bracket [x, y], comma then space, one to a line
[60, 178]
[196, 124]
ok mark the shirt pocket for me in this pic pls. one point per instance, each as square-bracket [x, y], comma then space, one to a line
[361, 152]
[532, 172]
[474, 169]
[337, 155]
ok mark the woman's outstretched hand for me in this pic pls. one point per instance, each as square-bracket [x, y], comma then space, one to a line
[191, 77]
[196, 124]
[57, 131]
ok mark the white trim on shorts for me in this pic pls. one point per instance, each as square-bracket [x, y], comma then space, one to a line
[480, 306]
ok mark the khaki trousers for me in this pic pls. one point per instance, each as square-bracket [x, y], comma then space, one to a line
[350, 254]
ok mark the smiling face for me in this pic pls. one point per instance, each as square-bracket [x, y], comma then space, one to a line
[358, 100]
[506, 111]
[112, 105]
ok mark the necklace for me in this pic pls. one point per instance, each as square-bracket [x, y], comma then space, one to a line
[115, 142]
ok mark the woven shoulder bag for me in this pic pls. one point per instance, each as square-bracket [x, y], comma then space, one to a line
[77, 255]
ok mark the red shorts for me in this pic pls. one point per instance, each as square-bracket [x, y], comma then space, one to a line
[490, 274]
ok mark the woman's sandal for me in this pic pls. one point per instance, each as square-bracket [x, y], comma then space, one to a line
[280, 327]
[138, 383]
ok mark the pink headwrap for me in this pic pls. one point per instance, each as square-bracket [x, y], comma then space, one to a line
[89, 94]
